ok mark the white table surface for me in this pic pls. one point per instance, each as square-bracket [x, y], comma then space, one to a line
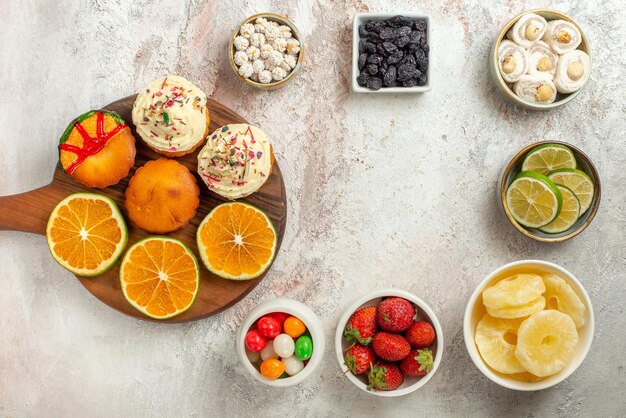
[383, 191]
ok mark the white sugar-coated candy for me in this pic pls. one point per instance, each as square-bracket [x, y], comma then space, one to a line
[284, 31]
[240, 57]
[258, 28]
[278, 73]
[275, 58]
[265, 77]
[268, 352]
[241, 43]
[257, 39]
[271, 32]
[271, 24]
[293, 366]
[265, 50]
[258, 66]
[280, 44]
[252, 356]
[246, 70]
[261, 21]
[284, 345]
[289, 60]
[247, 30]
[253, 53]
[293, 46]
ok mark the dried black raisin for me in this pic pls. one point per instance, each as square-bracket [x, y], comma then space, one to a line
[389, 47]
[362, 59]
[372, 69]
[390, 76]
[374, 59]
[402, 41]
[362, 31]
[362, 79]
[398, 21]
[374, 83]
[389, 34]
[395, 57]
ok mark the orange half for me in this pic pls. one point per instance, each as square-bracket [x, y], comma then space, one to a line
[160, 277]
[86, 233]
[237, 241]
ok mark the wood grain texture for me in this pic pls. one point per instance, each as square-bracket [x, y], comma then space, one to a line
[29, 212]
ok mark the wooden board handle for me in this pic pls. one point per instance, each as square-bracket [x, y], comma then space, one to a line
[29, 211]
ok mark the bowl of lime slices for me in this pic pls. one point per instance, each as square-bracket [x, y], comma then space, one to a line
[550, 191]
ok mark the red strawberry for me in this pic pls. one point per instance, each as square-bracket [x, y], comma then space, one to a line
[420, 335]
[384, 376]
[361, 326]
[390, 347]
[359, 358]
[418, 363]
[395, 314]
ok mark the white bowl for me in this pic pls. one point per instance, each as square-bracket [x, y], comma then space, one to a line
[475, 311]
[360, 18]
[424, 313]
[297, 309]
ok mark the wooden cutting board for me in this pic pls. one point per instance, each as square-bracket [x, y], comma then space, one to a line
[29, 212]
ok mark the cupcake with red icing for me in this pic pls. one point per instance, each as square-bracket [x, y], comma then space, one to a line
[97, 149]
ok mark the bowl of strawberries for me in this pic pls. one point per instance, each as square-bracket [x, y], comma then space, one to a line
[389, 343]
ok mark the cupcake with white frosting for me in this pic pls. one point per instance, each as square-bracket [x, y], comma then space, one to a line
[171, 116]
[236, 160]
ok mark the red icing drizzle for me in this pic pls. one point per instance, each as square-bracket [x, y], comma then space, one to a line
[91, 146]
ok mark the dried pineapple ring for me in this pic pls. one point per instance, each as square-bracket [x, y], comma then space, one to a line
[514, 291]
[546, 342]
[496, 340]
[560, 296]
[519, 311]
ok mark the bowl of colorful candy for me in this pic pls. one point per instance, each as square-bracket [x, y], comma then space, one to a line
[281, 342]
[389, 343]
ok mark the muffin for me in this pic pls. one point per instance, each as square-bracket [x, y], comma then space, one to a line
[236, 161]
[171, 116]
[97, 149]
[162, 196]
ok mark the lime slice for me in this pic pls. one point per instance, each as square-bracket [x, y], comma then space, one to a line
[570, 211]
[578, 182]
[549, 157]
[533, 199]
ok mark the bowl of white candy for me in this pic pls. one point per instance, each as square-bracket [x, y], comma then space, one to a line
[266, 51]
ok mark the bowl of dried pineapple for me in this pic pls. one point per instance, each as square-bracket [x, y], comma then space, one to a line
[528, 325]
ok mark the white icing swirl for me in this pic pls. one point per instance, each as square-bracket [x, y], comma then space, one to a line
[562, 36]
[170, 114]
[512, 61]
[236, 160]
[572, 71]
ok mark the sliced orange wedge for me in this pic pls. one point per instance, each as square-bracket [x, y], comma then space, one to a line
[237, 241]
[86, 233]
[160, 277]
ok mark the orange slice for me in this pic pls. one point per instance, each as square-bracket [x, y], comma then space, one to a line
[86, 233]
[237, 241]
[160, 277]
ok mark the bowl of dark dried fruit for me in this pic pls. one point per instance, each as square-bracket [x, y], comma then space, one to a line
[390, 53]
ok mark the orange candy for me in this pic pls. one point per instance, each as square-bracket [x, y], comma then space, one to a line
[272, 368]
[294, 327]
